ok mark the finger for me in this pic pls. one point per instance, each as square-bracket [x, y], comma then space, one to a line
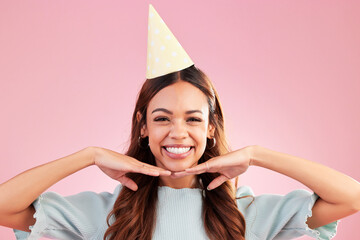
[153, 168]
[146, 171]
[180, 174]
[163, 172]
[217, 182]
[201, 168]
[150, 170]
[127, 182]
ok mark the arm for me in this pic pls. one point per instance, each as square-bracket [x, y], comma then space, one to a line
[339, 194]
[18, 193]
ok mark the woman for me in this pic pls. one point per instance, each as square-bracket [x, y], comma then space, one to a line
[172, 159]
[175, 178]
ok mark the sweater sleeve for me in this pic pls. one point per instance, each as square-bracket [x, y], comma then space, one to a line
[74, 217]
[281, 216]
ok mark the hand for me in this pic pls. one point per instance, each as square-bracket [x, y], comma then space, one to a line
[229, 165]
[116, 165]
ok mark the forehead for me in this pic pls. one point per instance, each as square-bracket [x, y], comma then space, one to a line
[180, 96]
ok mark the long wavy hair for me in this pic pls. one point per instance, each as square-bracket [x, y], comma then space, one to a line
[135, 211]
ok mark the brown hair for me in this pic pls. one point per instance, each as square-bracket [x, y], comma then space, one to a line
[135, 211]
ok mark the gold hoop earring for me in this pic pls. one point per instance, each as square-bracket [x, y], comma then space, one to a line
[214, 143]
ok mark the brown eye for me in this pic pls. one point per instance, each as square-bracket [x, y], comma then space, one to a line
[195, 120]
[160, 119]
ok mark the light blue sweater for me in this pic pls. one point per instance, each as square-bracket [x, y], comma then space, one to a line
[83, 216]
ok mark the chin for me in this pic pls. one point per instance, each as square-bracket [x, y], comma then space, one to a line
[177, 167]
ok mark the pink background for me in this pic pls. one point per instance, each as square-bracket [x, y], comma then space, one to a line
[287, 73]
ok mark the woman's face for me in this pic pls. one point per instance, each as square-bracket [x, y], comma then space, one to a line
[177, 125]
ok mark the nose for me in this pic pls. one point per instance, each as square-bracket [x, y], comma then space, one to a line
[178, 130]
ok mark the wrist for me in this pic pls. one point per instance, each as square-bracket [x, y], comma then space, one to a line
[91, 153]
[253, 152]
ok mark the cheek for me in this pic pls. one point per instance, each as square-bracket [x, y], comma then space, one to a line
[200, 137]
[157, 134]
[200, 131]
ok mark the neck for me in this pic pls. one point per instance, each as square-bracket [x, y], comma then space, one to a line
[184, 182]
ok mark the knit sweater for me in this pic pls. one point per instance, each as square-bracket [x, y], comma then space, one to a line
[83, 215]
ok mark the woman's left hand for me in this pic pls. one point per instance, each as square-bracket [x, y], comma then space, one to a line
[229, 165]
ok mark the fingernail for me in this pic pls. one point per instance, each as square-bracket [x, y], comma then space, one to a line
[208, 188]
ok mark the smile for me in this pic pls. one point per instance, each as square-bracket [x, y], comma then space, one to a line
[178, 152]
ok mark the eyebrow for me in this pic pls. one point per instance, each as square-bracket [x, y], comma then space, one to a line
[170, 112]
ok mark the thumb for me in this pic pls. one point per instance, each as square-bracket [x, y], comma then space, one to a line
[127, 182]
[217, 182]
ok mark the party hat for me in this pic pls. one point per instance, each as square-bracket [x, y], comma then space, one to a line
[164, 53]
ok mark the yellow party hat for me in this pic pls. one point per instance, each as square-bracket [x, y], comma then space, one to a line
[164, 53]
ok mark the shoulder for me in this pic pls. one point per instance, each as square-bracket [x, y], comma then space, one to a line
[77, 216]
[244, 191]
[81, 201]
[244, 198]
[247, 201]
[86, 194]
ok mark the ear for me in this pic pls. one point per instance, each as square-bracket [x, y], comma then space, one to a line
[143, 131]
[211, 129]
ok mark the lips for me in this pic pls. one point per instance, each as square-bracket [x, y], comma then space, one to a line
[177, 151]
[177, 145]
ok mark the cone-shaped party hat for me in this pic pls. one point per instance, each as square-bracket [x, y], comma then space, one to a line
[164, 53]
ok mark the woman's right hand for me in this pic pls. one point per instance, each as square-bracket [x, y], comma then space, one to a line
[116, 165]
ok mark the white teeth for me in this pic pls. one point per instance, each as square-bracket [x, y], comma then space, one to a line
[178, 150]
